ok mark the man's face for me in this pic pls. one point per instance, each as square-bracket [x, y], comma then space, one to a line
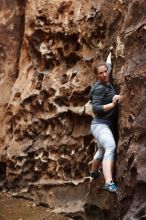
[103, 74]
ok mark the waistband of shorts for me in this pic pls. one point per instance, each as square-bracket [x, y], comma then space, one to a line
[96, 121]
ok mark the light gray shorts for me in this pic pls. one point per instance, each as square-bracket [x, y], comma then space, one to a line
[105, 141]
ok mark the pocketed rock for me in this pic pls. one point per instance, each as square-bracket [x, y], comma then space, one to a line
[47, 76]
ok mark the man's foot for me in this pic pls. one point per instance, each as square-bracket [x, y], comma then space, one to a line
[94, 174]
[111, 187]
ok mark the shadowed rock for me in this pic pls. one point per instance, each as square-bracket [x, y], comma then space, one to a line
[46, 74]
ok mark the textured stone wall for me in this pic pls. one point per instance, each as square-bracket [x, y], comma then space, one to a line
[11, 34]
[46, 143]
[131, 77]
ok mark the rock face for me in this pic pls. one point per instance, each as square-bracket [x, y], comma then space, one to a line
[131, 78]
[11, 35]
[46, 143]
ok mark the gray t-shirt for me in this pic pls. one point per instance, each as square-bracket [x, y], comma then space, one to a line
[102, 94]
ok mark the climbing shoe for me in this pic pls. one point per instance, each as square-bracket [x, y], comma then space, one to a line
[94, 174]
[111, 187]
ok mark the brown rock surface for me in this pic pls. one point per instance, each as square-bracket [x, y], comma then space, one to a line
[13, 208]
[131, 78]
[46, 142]
[11, 34]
